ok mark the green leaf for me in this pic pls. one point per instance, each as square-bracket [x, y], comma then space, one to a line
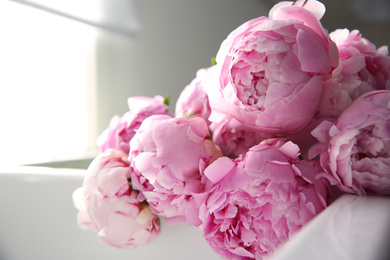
[213, 61]
[166, 100]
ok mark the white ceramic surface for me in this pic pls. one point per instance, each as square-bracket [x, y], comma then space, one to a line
[352, 228]
[38, 222]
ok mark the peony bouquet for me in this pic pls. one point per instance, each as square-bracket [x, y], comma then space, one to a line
[287, 118]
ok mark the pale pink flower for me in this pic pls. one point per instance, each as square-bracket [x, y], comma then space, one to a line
[362, 68]
[355, 149]
[269, 68]
[259, 200]
[193, 100]
[122, 129]
[108, 205]
[168, 157]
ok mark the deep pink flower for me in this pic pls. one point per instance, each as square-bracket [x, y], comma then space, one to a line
[355, 149]
[107, 204]
[122, 129]
[168, 157]
[259, 200]
[271, 69]
[362, 68]
[193, 100]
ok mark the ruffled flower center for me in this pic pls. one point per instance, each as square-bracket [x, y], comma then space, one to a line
[372, 142]
[249, 76]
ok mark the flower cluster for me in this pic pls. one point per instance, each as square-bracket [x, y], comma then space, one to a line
[259, 142]
[108, 205]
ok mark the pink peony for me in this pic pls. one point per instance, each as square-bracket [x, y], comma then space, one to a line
[168, 157]
[193, 100]
[362, 68]
[355, 150]
[107, 204]
[122, 129]
[269, 68]
[259, 200]
[233, 137]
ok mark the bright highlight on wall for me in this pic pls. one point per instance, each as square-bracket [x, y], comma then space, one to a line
[47, 90]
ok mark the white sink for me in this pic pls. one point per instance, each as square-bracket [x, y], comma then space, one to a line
[38, 222]
[352, 228]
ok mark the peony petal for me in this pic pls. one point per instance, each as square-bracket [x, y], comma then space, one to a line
[312, 52]
[242, 252]
[219, 168]
[143, 164]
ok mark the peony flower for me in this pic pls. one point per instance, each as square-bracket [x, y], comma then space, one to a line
[122, 129]
[259, 200]
[109, 205]
[355, 150]
[83, 219]
[271, 69]
[193, 100]
[168, 157]
[233, 137]
[362, 68]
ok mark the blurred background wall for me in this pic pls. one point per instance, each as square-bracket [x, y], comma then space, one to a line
[69, 66]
